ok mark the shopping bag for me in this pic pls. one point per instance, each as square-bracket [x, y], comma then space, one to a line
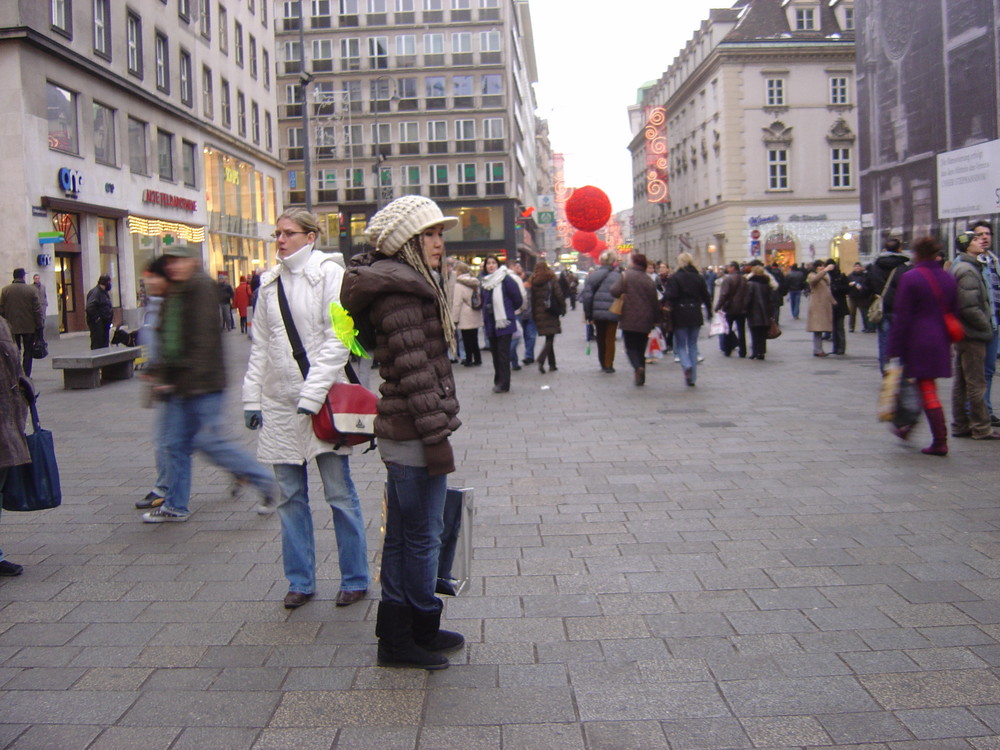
[908, 404]
[718, 324]
[34, 486]
[889, 394]
[656, 344]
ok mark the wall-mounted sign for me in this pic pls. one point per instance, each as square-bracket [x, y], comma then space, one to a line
[807, 217]
[232, 175]
[71, 181]
[39, 211]
[172, 201]
[756, 221]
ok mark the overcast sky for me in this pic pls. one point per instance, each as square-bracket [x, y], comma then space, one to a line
[591, 61]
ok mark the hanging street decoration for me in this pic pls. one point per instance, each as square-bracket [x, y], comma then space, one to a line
[588, 208]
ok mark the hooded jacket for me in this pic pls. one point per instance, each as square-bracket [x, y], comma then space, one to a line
[543, 283]
[273, 383]
[461, 307]
[973, 298]
[418, 389]
[597, 298]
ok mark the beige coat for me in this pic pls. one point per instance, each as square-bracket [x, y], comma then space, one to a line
[461, 305]
[820, 318]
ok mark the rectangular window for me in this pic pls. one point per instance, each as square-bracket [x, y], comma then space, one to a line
[433, 49]
[410, 180]
[354, 140]
[238, 43]
[63, 130]
[406, 45]
[326, 141]
[294, 136]
[322, 55]
[350, 54]
[255, 122]
[437, 137]
[409, 138]
[223, 29]
[207, 93]
[838, 90]
[849, 18]
[263, 13]
[355, 183]
[382, 139]
[267, 66]
[492, 88]
[493, 134]
[250, 6]
[465, 177]
[291, 20]
[162, 53]
[407, 92]
[320, 14]
[434, 92]
[377, 6]
[184, 10]
[380, 92]
[465, 136]
[404, 11]
[102, 28]
[225, 104]
[253, 57]
[489, 41]
[437, 176]
[462, 91]
[352, 95]
[104, 135]
[378, 52]
[205, 18]
[184, 71]
[165, 153]
[189, 163]
[326, 184]
[775, 92]
[324, 99]
[137, 146]
[293, 57]
[777, 169]
[805, 19]
[404, 6]
[348, 13]
[268, 134]
[433, 5]
[496, 184]
[241, 114]
[461, 48]
[61, 16]
[133, 43]
[840, 164]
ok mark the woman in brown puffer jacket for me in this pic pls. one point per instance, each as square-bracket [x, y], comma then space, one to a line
[396, 288]
[548, 302]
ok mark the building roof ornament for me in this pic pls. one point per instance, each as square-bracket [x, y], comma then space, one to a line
[777, 134]
[840, 132]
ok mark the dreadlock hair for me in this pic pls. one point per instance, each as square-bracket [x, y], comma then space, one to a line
[412, 254]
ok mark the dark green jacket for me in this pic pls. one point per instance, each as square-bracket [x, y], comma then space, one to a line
[973, 298]
[198, 367]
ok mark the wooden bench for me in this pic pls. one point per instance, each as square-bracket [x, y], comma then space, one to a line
[90, 369]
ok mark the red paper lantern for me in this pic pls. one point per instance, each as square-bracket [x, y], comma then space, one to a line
[584, 242]
[588, 209]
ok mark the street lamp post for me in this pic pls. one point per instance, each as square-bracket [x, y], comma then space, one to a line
[379, 156]
[305, 78]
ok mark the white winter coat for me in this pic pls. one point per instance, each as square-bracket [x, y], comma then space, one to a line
[273, 383]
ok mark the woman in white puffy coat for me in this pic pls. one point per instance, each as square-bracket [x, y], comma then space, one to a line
[278, 400]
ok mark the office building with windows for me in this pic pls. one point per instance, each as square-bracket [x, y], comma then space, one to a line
[130, 127]
[383, 98]
[746, 146]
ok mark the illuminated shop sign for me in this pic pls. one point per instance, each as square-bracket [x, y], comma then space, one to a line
[172, 201]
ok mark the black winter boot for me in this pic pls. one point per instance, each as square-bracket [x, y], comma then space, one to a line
[394, 628]
[427, 632]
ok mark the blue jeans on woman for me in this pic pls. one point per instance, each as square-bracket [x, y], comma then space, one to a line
[413, 525]
[298, 542]
[686, 348]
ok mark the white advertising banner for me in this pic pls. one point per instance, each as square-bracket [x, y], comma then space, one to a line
[968, 181]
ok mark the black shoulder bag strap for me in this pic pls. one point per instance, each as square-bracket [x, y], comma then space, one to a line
[299, 351]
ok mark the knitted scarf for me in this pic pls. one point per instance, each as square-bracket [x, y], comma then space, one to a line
[494, 283]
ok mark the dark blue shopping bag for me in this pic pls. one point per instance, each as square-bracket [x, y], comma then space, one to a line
[34, 486]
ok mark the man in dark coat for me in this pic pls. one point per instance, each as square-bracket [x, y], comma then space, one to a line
[733, 302]
[881, 280]
[795, 282]
[100, 312]
[21, 307]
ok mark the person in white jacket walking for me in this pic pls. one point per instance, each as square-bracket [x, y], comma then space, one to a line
[280, 401]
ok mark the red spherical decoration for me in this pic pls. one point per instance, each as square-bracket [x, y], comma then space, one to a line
[588, 209]
[584, 242]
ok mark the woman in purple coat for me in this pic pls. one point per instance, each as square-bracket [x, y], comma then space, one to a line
[918, 336]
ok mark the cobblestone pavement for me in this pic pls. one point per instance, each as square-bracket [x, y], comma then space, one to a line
[750, 563]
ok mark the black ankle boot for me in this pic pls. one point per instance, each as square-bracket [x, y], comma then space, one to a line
[396, 648]
[427, 632]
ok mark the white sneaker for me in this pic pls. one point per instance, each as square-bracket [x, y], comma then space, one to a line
[164, 515]
[677, 359]
[267, 505]
[701, 358]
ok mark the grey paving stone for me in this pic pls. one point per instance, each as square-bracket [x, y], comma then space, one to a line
[942, 723]
[876, 726]
[188, 708]
[785, 731]
[135, 738]
[650, 702]
[614, 735]
[67, 706]
[45, 678]
[215, 738]
[468, 738]
[300, 739]
[568, 736]
[933, 689]
[796, 696]
[494, 706]
[382, 708]
[62, 736]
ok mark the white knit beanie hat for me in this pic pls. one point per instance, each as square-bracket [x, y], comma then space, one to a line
[402, 219]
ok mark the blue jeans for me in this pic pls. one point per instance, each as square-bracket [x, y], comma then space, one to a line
[883, 342]
[298, 543]
[184, 419]
[686, 348]
[413, 525]
[795, 299]
[160, 449]
[991, 367]
[530, 332]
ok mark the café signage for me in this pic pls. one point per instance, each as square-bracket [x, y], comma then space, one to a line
[166, 199]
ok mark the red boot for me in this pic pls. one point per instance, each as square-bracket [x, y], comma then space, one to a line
[939, 431]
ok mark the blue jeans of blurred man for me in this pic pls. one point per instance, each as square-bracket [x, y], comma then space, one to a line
[686, 348]
[185, 418]
[530, 332]
[298, 542]
[795, 299]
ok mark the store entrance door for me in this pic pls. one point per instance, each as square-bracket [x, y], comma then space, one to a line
[69, 291]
